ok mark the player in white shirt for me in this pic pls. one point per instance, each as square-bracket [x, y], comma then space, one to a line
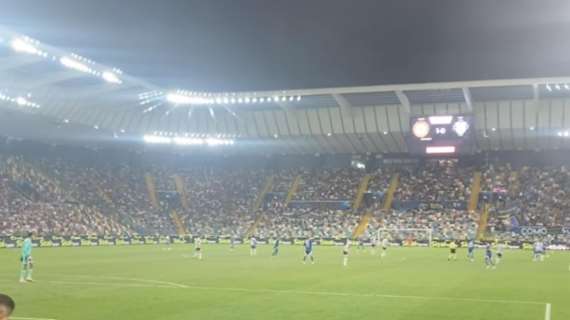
[345, 252]
[500, 252]
[198, 248]
[385, 245]
[253, 246]
[538, 251]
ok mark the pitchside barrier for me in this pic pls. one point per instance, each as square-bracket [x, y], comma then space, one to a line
[90, 241]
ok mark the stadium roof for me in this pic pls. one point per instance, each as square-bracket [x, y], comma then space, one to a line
[50, 94]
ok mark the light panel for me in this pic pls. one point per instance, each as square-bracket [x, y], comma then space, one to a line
[74, 64]
[111, 77]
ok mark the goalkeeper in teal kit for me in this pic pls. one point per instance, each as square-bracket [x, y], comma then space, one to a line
[26, 260]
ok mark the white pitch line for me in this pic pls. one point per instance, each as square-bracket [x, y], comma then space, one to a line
[155, 282]
[375, 295]
[548, 312]
[174, 285]
[27, 318]
[107, 284]
[326, 293]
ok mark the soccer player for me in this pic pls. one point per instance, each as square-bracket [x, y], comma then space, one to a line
[198, 248]
[7, 306]
[232, 243]
[26, 260]
[345, 252]
[253, 246]
[489, 256]
[471, 250]
[538, 251]
[500, 252]
[452, 251]
[308, 251]
[276, 247]
[385, 244]
[360, 243]
[373, 244]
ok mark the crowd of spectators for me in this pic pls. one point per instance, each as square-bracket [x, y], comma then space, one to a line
[57, 196]
[31, 201]
[444, 224]
[221, 201]
[329, 184]
[437, 181]
[298, 222]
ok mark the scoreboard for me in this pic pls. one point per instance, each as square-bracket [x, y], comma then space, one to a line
[440, 135]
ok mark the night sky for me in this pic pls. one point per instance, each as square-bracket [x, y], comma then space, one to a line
[284, 44]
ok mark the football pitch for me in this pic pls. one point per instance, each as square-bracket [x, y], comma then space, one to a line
[161, 282]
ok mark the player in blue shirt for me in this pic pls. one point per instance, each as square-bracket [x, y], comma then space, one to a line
[26, 260]
[308, 251]
[489, 256]
[471, 250]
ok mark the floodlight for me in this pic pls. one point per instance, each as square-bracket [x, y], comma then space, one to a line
[156, 139]
[74, 64]
[111, 77]
[177, 98]
[20, 45]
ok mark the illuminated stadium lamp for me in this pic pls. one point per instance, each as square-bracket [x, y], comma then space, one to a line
[218, 142]
[566, 86]
[247, 100]
[493, 129]
[74, 64]
[111, 77]
[96, 127]
[20, 45]
[548, 87]
[283, 99]
[439, 120]
[21, 101]
[219, 100]
[440, 149]
[291, 99]
[176, 98]
[298, 98]
[557, 86]
[188, 141]
[531, 128]
[156, 139]
[262, 100]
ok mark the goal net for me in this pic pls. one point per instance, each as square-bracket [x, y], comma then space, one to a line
[410, 237]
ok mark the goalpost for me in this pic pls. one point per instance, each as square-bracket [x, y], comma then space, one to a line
[406, 235]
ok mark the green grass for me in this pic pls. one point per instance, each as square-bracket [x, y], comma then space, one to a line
[151, 282]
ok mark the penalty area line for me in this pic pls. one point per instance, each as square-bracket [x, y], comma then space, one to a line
[28, 318]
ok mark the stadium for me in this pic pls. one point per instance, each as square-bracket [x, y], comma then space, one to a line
[139, 198]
